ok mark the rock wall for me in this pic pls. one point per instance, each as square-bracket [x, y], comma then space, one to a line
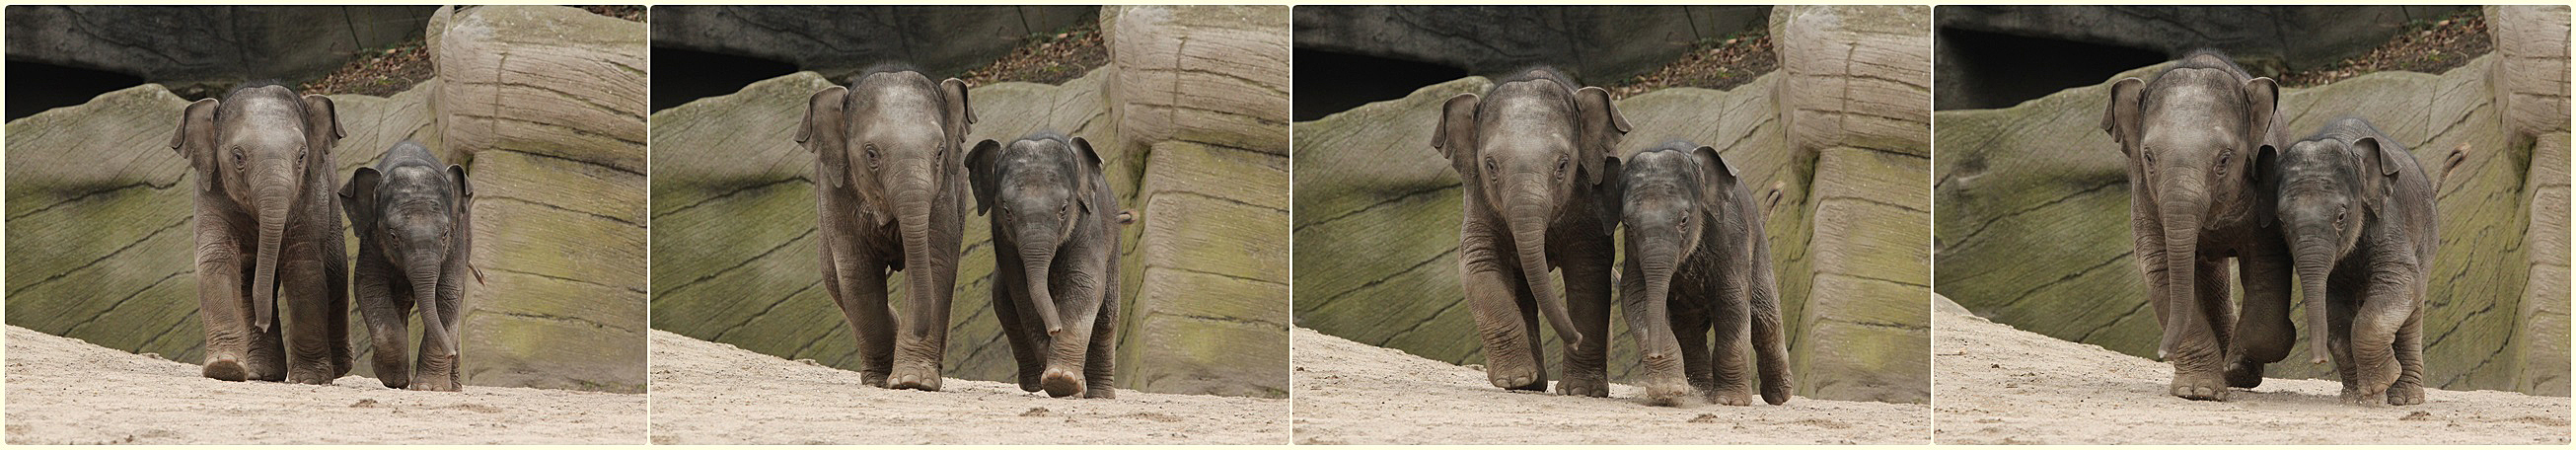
[2033, 230]
[219, 45]
[1205, 266]
[2294, 36]
[840, 41]
[1597, 43]
[1377, 221]
[2531, 89]
[98, 199]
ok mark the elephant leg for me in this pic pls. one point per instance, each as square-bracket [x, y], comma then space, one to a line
[2386, 306]
[2409, 388]
[1069, 363]
[859, 289]
[1587, 298]
[2263, 333]
[222, 304]
[1100, 369]
[923, 343]
[303, 285]
[1026, 350]
[1691, 327]
[388, 312]
[2200, 375]
[2339, 311]
[444, 371]
[1666, 362]
[1506, 323]
[1732, 318]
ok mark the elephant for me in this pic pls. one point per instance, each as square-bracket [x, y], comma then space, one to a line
[890, 196]
[2194, 202]
[414, 220]
[268, 226]
[1536, 157]
[1055, 238]
[2357, 213]
[1697, 259]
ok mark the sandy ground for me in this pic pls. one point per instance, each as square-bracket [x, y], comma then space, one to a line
[1353, 393]
[1999, 385]
[66, 391]
[712, 393]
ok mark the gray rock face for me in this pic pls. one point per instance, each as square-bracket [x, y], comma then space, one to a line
[2270, 40]
[99, 207]
[216, 45]
[839, 41]
[1596, 43]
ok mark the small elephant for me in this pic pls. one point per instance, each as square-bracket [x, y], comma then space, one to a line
[1697, 259]
[1055, 239]
[1536, 154]
[2357, 214]
[890, 196]
[268, 226]
[2189, 136]
[414, 219]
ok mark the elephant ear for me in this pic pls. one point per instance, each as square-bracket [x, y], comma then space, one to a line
[1717, 179]
[2267, 178]
[961, 115]
[2262, 104]
[358, 199]
[1602, 126]
[1614, 196]
[1455, 135]
[196, 135]
[2120, 118]
[1090, 175]
[322, 124]
[464, 189]
[822, 134]
[980, 175]
[2376, 158]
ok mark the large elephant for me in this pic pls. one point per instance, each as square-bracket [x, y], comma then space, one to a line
[1536, 154]
[2357, 214]
[414, 221]
[1055, 239]
[891, 197]
[2194, 202]
[268, 226]
[1697, 260]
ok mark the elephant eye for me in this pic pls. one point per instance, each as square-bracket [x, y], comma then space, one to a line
[2340, 213]
[1560, 166]
[1489, 164]
[240, 161]
[1062, 210]
[872, 155]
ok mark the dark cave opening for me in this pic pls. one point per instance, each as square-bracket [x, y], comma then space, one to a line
[35, 87]
[2000, 70]
[681, 76]
[1331, 82]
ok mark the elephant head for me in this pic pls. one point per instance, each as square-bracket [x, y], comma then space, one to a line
[893, 138]
[1528, 145]
[2189, 136]
[414, 210]
[261, 145]
[2327, 189]
[1039, 188]
[1671, 196]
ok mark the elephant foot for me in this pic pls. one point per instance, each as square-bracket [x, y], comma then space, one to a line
[439, 384]
[310, 375]
[1516, 379]
[1583, 387]
[436, 373]
[1670, 394]
[227, 369]
[1029, 381]
[2359, 397]
[2200, 387]
[914, 377]
[1061, 383]
[1100, 392]
[2405, 393]
[1738, 396]
[876, 379]
[2244, 374]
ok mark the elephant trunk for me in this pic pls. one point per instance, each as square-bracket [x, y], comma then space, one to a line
[273, 204]
[1529, 235]
[913, 205]
[2312, 266]
[2181, 239]
[424, 292]
[1036, 259]
[1658, 328]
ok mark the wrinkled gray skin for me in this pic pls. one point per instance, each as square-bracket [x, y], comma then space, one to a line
[1536, 157]
[268, 230]
[891, 197]
[414, 221]
[1697, 261]
[2357, 213]
[2190, 136]
[1055, 259]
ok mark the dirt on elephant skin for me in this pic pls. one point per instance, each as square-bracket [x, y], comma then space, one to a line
[714, 393]
[67, 391]
[2000, 385]
[1353, 393]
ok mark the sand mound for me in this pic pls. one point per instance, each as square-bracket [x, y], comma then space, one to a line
[713, 393]
[1353, 393]
[66, 391]
[1999, 385]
